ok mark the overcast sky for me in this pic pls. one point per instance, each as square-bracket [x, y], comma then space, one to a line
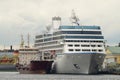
[31, 16]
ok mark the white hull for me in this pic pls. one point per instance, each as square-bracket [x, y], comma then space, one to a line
[78, 63]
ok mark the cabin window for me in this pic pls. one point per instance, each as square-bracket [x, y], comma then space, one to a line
[70, 45]
[70, 49]
[100, 50]
[94, 50]
[77, 45]
[92, 45]
[77, 49]
[85, 45]
[85, 49]
[99, 45]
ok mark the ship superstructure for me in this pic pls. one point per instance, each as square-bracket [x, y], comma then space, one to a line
[75, 48]
[30, 61]
[28, 54]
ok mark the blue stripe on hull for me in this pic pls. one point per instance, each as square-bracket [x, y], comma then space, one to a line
[84, 53]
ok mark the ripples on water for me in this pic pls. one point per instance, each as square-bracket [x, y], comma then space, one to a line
[17, 76]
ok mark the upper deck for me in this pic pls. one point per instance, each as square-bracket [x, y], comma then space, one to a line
[80, 27]
[28, 50]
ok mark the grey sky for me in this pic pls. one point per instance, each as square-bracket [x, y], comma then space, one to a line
[31, 16]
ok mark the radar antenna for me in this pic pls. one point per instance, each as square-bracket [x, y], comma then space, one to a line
[74, 18]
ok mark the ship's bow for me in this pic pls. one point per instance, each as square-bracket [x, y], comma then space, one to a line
[96, 62]
[79, 63]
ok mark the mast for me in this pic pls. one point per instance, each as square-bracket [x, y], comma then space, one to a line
[74, 18]
[22, 42]
[28, 40]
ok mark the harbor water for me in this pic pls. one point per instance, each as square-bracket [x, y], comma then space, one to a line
[17, 76]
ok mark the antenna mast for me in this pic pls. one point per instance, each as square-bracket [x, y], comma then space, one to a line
[22, 42]
[74, 18]
[28, 40]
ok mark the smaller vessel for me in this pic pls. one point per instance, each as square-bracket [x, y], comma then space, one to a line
[30, 61]
[8, 59]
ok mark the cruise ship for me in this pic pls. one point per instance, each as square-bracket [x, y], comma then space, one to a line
[75, 48]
